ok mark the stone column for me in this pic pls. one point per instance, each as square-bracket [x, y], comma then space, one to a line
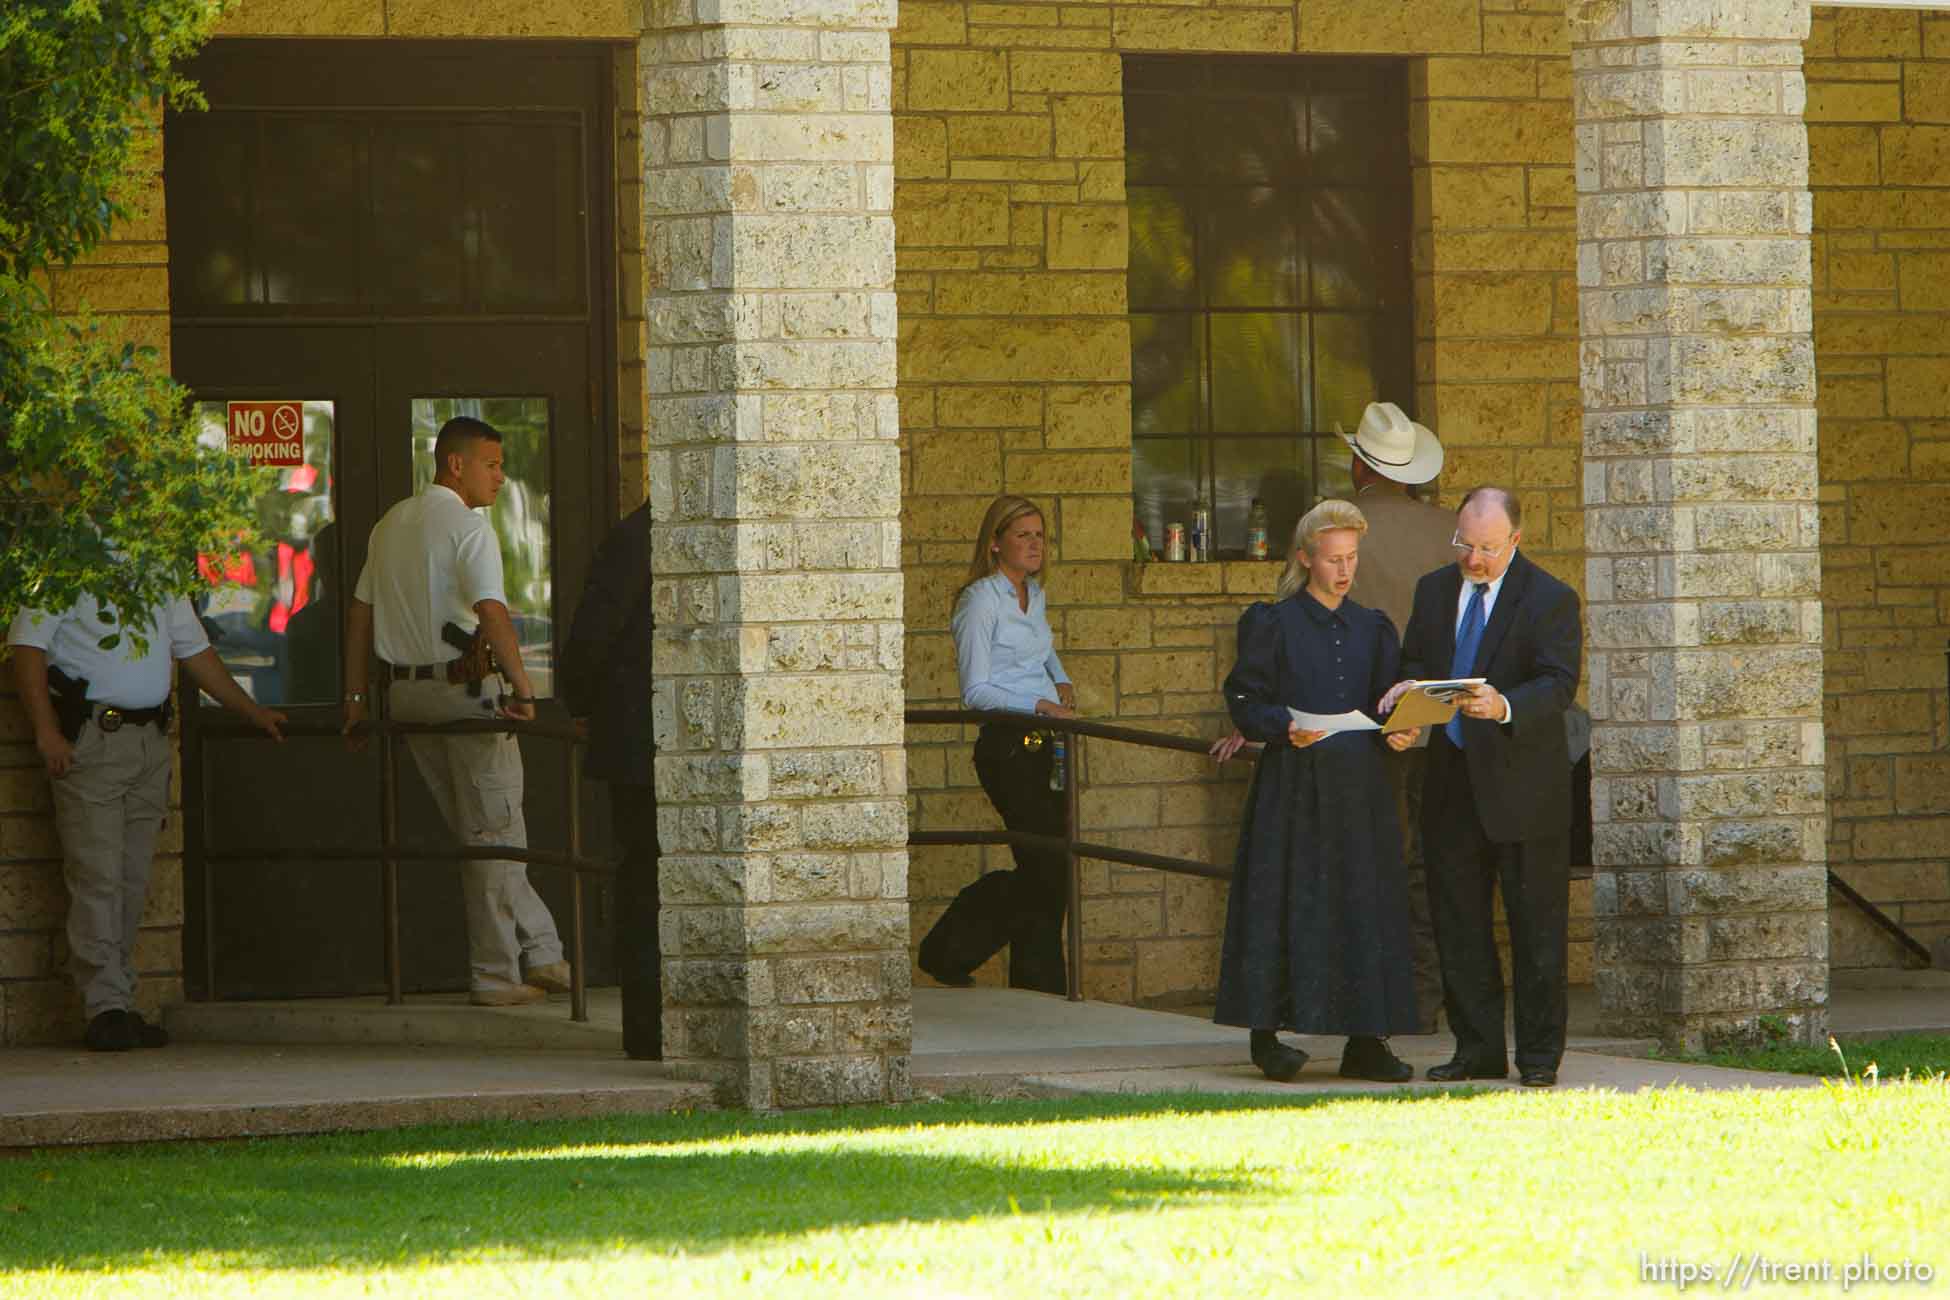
[775, 495]
[1703, 580]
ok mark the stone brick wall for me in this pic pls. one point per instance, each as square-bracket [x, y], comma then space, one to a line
[1879, 146]
[1012, 248]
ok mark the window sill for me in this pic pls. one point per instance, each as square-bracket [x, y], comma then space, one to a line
[1216, 578]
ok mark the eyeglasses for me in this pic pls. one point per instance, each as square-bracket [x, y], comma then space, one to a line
[1491, 553]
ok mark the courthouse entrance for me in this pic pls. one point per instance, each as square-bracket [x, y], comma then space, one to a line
[376, 238]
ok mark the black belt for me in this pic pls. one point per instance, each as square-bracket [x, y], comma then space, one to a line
[415, 672]
[113, 717]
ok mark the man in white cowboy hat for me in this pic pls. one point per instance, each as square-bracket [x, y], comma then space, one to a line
[1406, 537]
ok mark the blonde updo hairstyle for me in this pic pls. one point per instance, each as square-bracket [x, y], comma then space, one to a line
[1323, 518]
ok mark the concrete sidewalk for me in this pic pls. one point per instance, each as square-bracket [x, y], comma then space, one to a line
[263, 1068]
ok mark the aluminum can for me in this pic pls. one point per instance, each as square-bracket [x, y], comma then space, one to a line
[1201, 540]
[1174, 541]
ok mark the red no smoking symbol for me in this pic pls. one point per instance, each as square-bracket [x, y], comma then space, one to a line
[285, 422]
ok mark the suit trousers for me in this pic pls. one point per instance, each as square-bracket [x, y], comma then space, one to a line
[639, 951]
[1465, 869]
[108, 810]
[1026, 907]
[476, 782]
[1405, 778]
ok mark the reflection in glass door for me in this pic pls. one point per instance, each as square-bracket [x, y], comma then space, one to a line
[274, 616]
[520, 515]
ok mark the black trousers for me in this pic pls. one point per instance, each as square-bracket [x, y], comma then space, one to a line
[639, 951]
[1025, 908]
[1465, 869]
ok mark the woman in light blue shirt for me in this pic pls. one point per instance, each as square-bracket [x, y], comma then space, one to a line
[1007, 660]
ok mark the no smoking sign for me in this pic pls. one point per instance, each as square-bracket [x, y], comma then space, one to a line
[267, 433]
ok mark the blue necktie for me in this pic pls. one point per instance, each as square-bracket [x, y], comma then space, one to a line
[1469, 638]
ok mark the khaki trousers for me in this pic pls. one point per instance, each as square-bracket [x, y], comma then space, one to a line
[477, 784]
[108, 810]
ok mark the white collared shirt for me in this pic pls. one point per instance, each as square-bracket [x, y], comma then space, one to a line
[71, 639]
[1489, 606]
[429, 561]
[1004, 653]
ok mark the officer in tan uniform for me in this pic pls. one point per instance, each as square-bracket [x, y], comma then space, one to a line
[1389, 455]
[433, 561]
[101, 723]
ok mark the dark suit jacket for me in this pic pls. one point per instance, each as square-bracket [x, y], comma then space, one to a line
[605, 671]
[1532, 651]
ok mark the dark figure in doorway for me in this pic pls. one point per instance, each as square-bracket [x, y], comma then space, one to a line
[605, 680]
[1006, 659]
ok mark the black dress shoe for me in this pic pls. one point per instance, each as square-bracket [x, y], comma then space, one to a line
[1367, 1057]
[1275, 1059]
[1537, 1076]
[146, 1034]
[1455, 1070]
[110, 1031]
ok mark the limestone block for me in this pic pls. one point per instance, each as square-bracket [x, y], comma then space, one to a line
[1248, 31]
[1877, 33]
[999, 135]
[1095, 416]
[824, 137]
[1749, 683]
[1750, 622]
[920, 149]
[1088, 235]
[1391, 27]
[1857, 101]
[1074, 350]
[1469, 196]
[1034, 293]
[1069, 471]
[961, 80]
[1044, 72]
[1900, 512]
[1915, 155]
[1096, 528]
[307, 18]
[1749, 890]
[958, 214]
[1089, 126]
[923, 22]
[824, 929]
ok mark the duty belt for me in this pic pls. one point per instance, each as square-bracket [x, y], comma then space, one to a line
[114, 717]
[415, 672]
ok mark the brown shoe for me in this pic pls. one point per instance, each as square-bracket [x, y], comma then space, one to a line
[506, 995]
[552, 978]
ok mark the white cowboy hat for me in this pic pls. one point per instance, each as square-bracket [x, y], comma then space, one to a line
[1394, 446]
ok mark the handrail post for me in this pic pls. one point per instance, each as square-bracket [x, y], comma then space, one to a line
[389, 864]
[1072, 825]
[578, 990]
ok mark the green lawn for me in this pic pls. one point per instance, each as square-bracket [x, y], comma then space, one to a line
[1429, 1195]
[1891, 1058]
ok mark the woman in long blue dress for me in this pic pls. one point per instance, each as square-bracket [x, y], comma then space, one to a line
[1317, 926]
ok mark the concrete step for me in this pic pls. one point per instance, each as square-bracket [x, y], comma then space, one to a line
[423, 1020]
[64, 1097]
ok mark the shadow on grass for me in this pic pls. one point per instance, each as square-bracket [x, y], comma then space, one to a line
[361, 1200]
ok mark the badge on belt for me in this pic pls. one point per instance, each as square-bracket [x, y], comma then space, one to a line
[1032, 741]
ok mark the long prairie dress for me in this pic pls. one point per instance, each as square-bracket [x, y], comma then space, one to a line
[1317, 936]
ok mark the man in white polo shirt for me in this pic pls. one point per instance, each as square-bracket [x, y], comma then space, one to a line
[433, 561]
[101, 723]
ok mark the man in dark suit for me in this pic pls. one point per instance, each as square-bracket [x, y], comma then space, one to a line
[1496, 799]
[605, 681]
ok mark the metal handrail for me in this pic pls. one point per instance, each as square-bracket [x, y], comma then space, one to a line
[390, 851]
[1068, 843]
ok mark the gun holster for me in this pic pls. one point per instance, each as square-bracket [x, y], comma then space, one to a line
[70, 698]
[476, 662]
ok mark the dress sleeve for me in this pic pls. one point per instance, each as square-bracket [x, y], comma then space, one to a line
[1252, 687]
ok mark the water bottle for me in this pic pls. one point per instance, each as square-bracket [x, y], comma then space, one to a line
[1256, 544]
[1058, 760]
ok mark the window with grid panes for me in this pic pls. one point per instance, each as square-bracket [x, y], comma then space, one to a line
[1269, 281]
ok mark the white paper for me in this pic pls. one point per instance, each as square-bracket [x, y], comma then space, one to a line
[1350, 721]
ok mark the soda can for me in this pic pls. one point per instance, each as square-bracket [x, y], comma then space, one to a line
[1202, 535]
[1175, 541]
